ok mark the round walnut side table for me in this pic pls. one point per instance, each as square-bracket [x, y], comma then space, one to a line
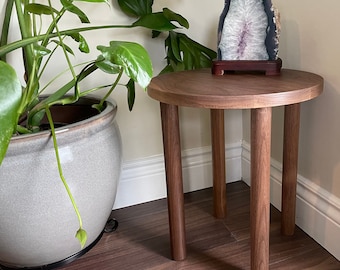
[255, 91]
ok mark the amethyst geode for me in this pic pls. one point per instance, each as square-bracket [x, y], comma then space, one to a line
[248, 30]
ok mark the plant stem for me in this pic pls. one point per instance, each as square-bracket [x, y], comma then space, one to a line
[28, 48]
[5, 26]
[29, 40]
[112, 88]
[56, 149]
[55, 20]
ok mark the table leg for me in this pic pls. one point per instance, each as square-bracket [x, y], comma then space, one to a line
[173, 168]
[218, 160]
[260, 187]
[290, 161]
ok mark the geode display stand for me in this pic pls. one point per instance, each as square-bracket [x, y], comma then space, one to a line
[248, 38]
[268, 67]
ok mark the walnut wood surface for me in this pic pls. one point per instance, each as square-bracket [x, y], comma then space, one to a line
[260, 187]
[290, 167]
[218, 161]
[173, 170]
[200, 88]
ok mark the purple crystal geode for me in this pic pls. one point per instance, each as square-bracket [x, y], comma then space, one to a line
[248, 30]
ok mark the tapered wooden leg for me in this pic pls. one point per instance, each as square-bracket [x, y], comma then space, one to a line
[173, 168]
[290, 164]
[218, 160]
[260, 187]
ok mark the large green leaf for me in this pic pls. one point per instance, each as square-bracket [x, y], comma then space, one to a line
[10, 97]
[130, 56]
[184, 53]
[136, 8]
[172, 16]
[155, 21]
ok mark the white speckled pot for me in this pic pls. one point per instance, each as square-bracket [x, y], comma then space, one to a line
[37, 221]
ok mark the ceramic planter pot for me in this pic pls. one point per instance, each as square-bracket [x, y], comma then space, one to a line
[37, 220]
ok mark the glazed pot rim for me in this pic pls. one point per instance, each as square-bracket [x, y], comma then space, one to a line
[110, 105]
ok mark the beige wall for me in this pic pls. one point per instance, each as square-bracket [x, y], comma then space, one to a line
[310, 41]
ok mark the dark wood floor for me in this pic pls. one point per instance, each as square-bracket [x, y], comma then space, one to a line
[142, 241]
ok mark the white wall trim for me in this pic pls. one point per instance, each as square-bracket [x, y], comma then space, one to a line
[317, 210]
[143, 180]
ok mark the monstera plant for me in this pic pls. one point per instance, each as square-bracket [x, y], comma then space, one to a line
[23, 101]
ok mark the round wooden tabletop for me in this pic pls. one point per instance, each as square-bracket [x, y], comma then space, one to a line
[200, 88]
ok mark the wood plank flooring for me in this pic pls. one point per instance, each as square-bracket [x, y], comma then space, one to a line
[142, 241]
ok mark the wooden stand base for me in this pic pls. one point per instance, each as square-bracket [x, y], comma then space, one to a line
[270, 67]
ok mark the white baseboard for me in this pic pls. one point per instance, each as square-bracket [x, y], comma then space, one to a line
[144, 180]
[317, 210]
